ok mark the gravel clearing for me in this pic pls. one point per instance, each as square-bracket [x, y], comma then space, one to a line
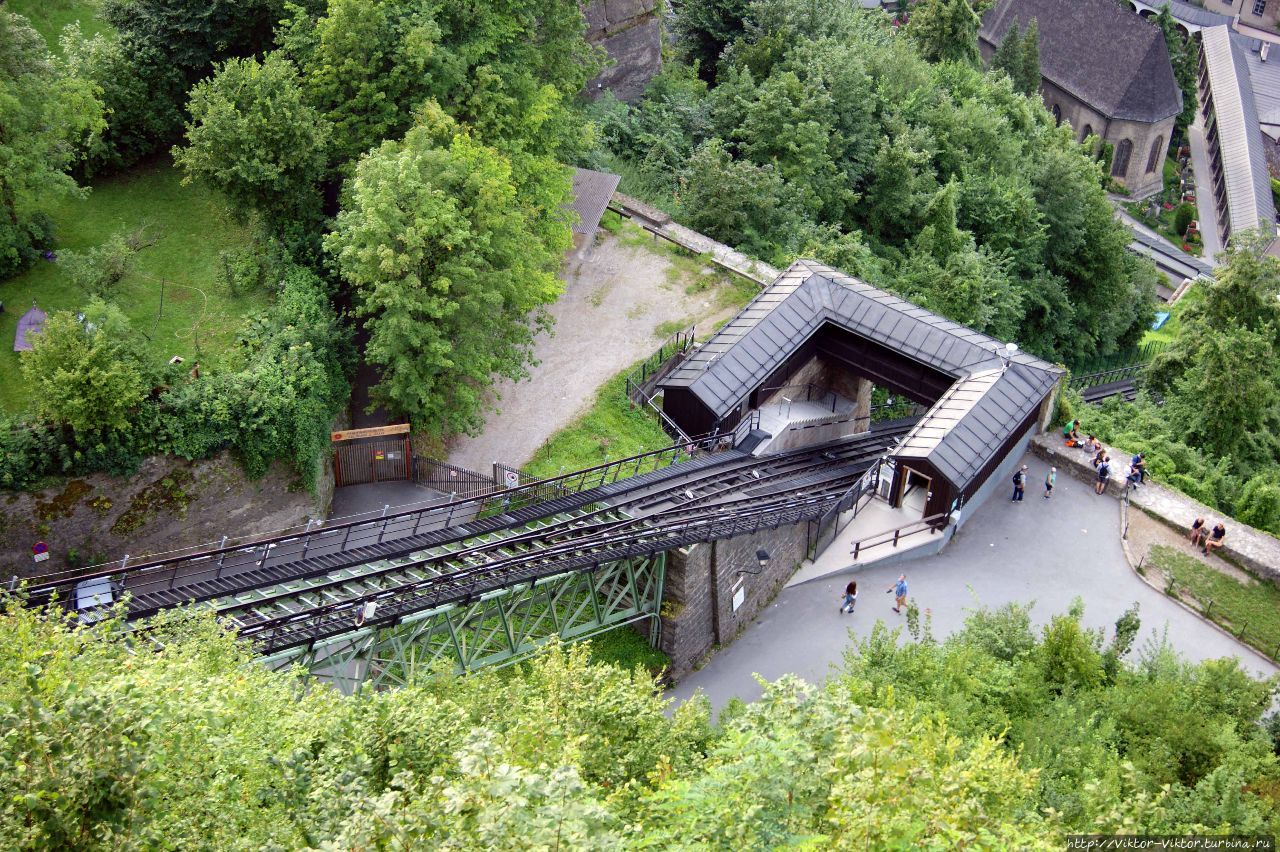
[619, 304]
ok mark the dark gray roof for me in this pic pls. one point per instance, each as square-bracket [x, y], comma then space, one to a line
[1244, 161]
[1195, 16]
[1110, 58]
[1264, 75]
[807, 295]
[1168, 258]
[591, 194]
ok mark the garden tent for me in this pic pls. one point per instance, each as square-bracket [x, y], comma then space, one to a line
[32, 322]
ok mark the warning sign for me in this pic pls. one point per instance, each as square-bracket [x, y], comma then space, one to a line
[379, 455]
[511, 478]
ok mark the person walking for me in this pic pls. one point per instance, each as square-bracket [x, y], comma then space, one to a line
[1104, 475]
[1050, 479]
[1019, 484]
[850, 596]
[899, 590]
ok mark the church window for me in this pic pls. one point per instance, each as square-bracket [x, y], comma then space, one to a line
[1153, 159]
[1120, 163]
[1057, 114]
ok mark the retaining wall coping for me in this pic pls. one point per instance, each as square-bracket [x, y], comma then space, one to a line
[1251, 549]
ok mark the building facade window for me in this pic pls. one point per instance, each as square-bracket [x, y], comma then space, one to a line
[1087, 132]
[1057, 115]
[1153, 159]
[1120, 162]
[1259, 7]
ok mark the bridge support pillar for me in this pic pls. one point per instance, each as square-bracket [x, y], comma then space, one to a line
[710, 596]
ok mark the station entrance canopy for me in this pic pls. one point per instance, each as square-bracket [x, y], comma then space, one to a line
[983, 399]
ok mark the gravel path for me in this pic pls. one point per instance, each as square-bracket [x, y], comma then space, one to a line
[608, 318]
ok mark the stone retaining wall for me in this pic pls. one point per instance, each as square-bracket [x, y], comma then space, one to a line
[1251, 549]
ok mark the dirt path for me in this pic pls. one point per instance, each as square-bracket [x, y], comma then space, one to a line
[618, 306]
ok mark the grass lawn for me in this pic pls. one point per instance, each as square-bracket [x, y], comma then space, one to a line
[1173, 324]
[48, 17]
[611, 429]
[1249, 609]
[189, 224]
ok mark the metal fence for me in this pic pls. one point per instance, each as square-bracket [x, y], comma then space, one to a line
[318, 539]
[451, 479]
[1106, 377]
[643, 379]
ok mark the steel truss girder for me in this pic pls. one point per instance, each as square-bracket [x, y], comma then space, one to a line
[500, 628]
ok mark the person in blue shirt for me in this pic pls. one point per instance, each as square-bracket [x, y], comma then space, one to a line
[899, 590]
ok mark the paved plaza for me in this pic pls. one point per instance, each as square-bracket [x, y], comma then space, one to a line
[1046, 551]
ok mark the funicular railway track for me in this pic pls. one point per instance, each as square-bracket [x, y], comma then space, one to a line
[715, 497]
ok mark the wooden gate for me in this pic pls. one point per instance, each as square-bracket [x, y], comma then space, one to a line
[372, 455]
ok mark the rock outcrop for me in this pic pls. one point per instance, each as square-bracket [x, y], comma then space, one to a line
[630, 31]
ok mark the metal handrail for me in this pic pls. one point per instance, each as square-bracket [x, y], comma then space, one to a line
[895, 535]
[586, 478]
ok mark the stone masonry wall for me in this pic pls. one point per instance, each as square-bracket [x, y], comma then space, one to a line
[701, 581]
[630, 31]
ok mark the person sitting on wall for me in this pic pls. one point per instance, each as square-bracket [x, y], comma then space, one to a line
[1071, 433]
[1099, 456]
[1092, 445]
[1216, 539]
[1198, 532]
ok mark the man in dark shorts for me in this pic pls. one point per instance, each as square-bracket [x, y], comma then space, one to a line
[1104, 475]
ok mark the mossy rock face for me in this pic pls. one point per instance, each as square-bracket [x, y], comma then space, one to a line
[170, 494]
[63, 504]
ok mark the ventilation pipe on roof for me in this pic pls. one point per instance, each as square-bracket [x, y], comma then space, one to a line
[1266, 48]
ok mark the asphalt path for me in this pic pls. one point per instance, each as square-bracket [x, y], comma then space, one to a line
[1043, 551]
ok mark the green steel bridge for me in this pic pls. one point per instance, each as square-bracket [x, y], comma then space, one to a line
[483, 581]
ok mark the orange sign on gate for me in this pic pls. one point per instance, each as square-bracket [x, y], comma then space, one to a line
[374, 432]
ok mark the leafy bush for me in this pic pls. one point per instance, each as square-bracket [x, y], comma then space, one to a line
[915, 744]
[1182, 218]
[98, 270]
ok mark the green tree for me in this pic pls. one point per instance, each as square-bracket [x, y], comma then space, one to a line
[254, 138]
[1230, 341]
[1185, 58]
[736, 201]
[704, 30]
[452, 257]
[509, 72]
[142, 94]
[193, 35]
[1018, 56]
[1008, 55]
[89, 374]
[945, 31]
[47, 116]
[1029, 68]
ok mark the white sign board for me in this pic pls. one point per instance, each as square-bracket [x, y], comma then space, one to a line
[511, 478]
[738, 598]
[40, 557]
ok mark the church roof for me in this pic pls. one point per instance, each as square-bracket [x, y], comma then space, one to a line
[1108, 57]
[962, 429]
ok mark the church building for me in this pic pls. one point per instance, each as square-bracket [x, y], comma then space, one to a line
[1104, 71]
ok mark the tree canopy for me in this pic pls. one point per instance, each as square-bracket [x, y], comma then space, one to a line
[89, 372]
[450, 247]
[47, 115]
[826, 135]
[1003, 736]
